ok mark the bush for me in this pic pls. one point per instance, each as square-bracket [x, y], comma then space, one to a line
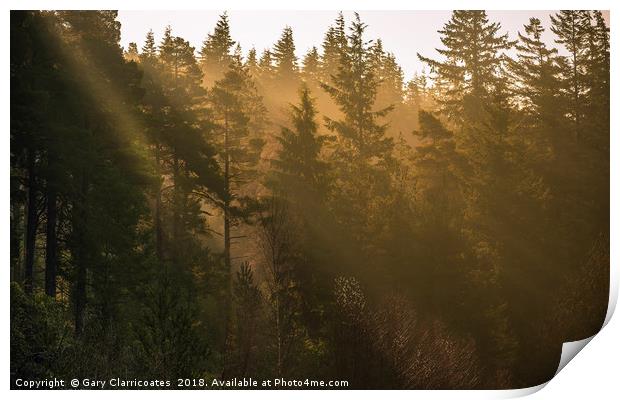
[39, 335]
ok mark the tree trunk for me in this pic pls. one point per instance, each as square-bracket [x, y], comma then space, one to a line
[176, 219]
[158, 228]
[227, 263]
[51, 250]
[80, 295]
[80, 256]
[31, 225]
[279, 332]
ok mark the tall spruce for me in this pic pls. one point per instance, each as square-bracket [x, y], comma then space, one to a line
[354, 90]
[283, 53]
[238, 146]
[334, 42]
[215, 53]
[473, 55]
[299, 156]
[571, 29]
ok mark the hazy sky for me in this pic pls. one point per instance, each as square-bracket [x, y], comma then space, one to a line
[404, 33]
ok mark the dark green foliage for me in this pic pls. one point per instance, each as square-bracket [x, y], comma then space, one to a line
[246, 357]
[169, 343]
[301, 148]
[39, 335]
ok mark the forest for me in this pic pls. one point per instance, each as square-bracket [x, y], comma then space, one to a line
[218, 212]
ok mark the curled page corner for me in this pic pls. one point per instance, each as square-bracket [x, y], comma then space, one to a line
[570, 350]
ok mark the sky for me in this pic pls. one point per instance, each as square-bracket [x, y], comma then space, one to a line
[404, 33]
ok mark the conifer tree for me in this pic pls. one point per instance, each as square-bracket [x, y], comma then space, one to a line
[390, 91]
[392, 82]
[416, 97]
[248, 306]
[475, 100]
[32, 74]
[440, 198]
[182, 78]
[473, 54]
[597, 103]
[239, 146]
[284, 56]
[215, 53]
[177, 130]
[535, 79]
[571, 28]
[354, 90]
[149, 50]
[438, 165]
[251, 63]
[103, 182]
[266, 67]
[301, 184]
[298, 159]
[361, 155]
[311, 65]
[333, 44]
[596, 119]
[132, 52]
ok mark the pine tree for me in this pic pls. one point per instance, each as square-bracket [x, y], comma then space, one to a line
[597, 102]
[298, 158]
[215, 54]
[596, 123]
[231, 99]
[301, 186]
[248, 305]
[416, 97]
[177, 130]
[571, 29]
[102, 185]
[475, 99]
[182, 78]
[149, 50]
[354, 90]
[472, 58]
[311, 66]
[438, 169]
[390, 90]
[132, 52]
[266, 67]
[535, 74]
[535, 86]
[361, 155]
[438, 166]
[33, 55]
[251, 63]
[392, 82]
[166, 46]
[333, 44]
[284, 57]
